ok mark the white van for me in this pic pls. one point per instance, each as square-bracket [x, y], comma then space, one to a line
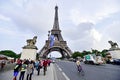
[93, 59]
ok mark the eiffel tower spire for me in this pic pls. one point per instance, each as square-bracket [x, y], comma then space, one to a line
[56, 30]
[56, 22]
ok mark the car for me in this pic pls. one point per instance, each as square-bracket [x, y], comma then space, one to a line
[53, 61]
[73, 60]
[116, 61]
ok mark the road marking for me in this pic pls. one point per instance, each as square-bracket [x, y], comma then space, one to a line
[57, 65]
[65, 76]
[59, 68]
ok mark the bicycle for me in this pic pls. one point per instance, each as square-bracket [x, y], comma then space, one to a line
[80, 70]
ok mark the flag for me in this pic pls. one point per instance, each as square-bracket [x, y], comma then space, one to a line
[51, 40]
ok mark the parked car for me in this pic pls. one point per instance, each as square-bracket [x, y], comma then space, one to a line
[73, 60]
[116, 61]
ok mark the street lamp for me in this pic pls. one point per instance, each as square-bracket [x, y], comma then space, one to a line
[48, 35]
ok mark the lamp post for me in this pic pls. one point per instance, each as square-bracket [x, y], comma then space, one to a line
[48, 35]
[49, 38]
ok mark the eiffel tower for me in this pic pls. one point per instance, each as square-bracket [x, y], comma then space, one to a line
[59, 44]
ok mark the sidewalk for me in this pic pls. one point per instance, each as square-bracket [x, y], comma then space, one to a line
[50, 74]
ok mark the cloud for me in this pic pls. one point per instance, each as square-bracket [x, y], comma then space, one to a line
[82, 36]
[4, 18]
[80, 31]
[32, 16]
[93, 12]
[96, 35]
[112, 30]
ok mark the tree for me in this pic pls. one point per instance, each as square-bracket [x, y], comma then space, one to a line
[9, 53]
[18, 55]
[77, 54]
[104, 52]
[86, 52]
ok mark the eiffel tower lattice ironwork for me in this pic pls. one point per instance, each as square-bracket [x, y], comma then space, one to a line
[59, 44]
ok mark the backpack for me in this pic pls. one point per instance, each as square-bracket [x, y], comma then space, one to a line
[17, 68]
[36, 64]
[23, 67]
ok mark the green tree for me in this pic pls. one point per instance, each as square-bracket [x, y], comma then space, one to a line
[18, 55]
[77, 54]
[86, 52]
[94, 51]
[8, 53]
[104, 52]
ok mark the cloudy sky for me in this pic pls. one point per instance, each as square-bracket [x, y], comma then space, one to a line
[85, 24]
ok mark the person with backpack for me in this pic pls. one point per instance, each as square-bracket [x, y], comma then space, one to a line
[22, 71]
[45, 64]
[16, 71]
[38, 66]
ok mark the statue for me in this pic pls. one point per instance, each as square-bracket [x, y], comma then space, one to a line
[31, 43]
[114, 45]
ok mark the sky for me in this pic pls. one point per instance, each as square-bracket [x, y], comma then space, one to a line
[85, 24]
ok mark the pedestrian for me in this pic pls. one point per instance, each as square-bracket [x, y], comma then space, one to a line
[22, 71]
[38, 66]
[18, 61]
[33, 62]
[45, 63]
[49, 61]
[2, 64]
[16, 71]
[79, 67]
[30, 68]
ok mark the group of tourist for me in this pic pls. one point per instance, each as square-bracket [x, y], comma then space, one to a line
[28, 67]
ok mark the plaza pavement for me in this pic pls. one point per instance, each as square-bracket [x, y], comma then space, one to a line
[50, 74]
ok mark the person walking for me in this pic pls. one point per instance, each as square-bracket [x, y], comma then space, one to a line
[38, 66]
[22, 71]
[78, 65]
[16, 71]
[45, 63]
[30, 68]
[49, 61]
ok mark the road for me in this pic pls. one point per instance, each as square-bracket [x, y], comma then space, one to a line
[67, 71]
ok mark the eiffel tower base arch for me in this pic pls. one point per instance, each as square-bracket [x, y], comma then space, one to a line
[63, 52]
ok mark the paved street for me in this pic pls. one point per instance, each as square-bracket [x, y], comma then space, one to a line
[92, 72]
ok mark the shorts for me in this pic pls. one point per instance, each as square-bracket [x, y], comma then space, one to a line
[16, 73]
